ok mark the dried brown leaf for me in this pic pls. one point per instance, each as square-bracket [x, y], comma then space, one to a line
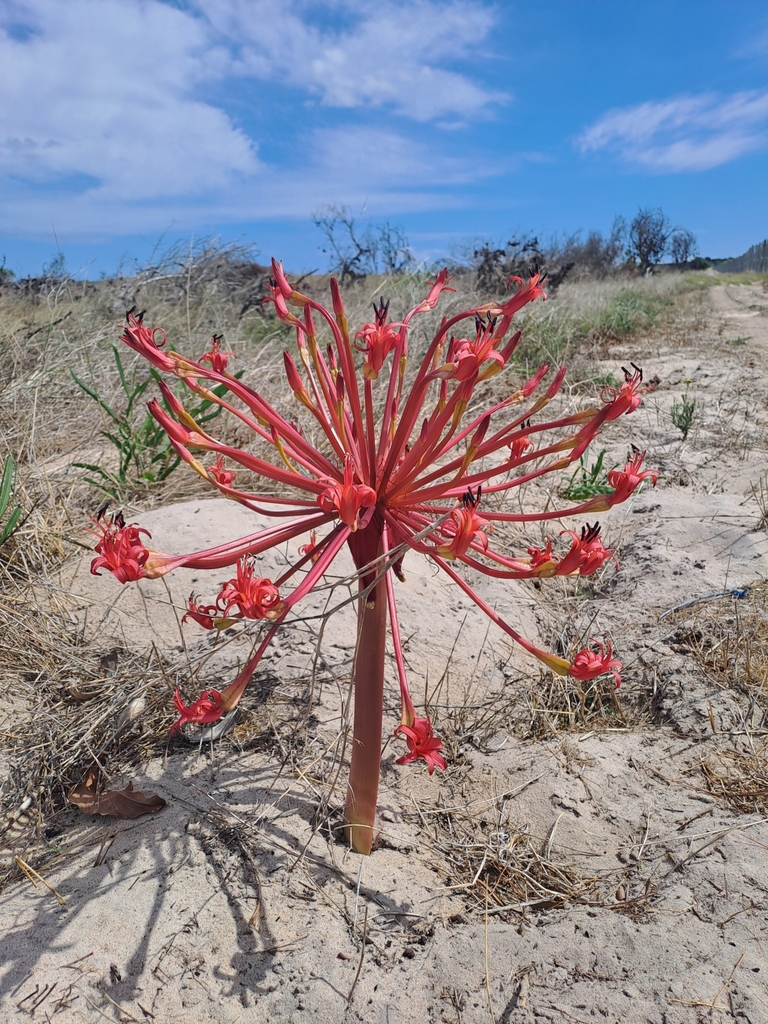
[120, 803]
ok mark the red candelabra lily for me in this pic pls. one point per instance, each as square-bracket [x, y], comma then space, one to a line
[405, 460]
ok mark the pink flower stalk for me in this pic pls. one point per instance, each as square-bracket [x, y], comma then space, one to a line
[407, 454]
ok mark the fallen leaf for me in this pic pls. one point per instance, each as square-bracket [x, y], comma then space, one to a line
[121, 803]
[86, 693]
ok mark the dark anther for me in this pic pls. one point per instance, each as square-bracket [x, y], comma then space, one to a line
[628, 376]
[470, 500]
[119, 520]
[484, 324]
[217, 337]
[380, 312]
[130, 311]
[636, 450]
[590, 533]
[103, 510]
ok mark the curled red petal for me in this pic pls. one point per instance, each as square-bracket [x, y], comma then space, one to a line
[207, 708]
[422, 743]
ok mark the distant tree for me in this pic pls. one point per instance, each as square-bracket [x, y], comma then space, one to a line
[648, 238]
[357, 250]
[393, 250]
[56, 270]
[6, 274]
[682, 246]
[557, 259]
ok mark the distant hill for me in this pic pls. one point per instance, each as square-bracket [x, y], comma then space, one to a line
[755, 259]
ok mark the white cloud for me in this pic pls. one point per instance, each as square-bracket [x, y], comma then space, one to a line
[104, 92]
[111, 116]
[384, 54]
[382, 170]
[693, 133]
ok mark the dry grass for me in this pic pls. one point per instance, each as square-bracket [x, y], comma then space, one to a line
[729, 639]
[740, 778]
[497, 864]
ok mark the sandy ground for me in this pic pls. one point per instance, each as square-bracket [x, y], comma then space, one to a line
[629, 890]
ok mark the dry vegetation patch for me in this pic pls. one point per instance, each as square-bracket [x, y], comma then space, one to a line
[58, 330]
[633, 769]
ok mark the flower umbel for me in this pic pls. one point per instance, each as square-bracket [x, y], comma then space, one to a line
[627, 398]
[590, 664]
[120, 549]
[377, 341]
[215, 356]
[626, 481]
[587, 553]
[253, 596]
[422, 742]
[206, 709]
[390, 457]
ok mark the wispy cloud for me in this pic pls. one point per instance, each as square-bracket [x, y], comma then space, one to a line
[112, 117]
[381, 54]
[103, 94]
[691, 133]
[382, 170]
[754, 42]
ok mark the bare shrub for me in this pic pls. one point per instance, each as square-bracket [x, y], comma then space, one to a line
[6, 274]
[356, 250]
[568, 257]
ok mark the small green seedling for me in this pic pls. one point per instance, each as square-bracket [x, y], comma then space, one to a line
[587, 482]
[682, 412]
[9, 524]
[604, 379]
[145, 455]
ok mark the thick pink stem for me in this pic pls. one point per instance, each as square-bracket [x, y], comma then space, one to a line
[365, 767]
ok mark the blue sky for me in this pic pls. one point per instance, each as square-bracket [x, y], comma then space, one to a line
[122, 121]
